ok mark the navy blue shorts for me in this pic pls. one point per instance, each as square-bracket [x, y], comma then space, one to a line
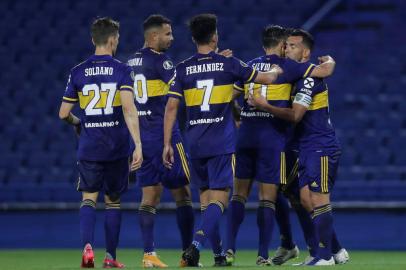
[261, 164]
[292, 170]
[153, 172]
[111, 177]
[215, 172]
[318, 170]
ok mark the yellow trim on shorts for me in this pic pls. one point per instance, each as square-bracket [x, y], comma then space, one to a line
[324, 174]
[283, 169]
[183, 158]
[233, 163]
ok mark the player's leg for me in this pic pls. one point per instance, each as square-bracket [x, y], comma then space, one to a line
[116, 175]
[112, 226]
[151, 196]
[270, 173]
[177, 181]
[184, 214]
[87, 215]
[265, 220]
[149, 178]
[288, 248]
[220, 176]
[199, 174]
[215, 237]
[89, 183]
[306, 222]
[244, 172]
[322, 168]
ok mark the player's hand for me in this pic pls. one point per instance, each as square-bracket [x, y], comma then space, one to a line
[226, 52]
[325, 58]
[77, 129]
[168, 156]
[276, 69]
[258, 101]
[137, 159]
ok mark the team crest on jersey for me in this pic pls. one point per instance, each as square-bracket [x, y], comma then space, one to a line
[168, 65]
[308, 83]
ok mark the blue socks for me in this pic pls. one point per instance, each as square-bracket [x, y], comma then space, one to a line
[265, 221]
[87, 216]
[147, 216]
[214, 238]
[210, 220]
[186, 222]
[335, 245]
[235, 216]
[283, 220]
[112, 224]
[323, 222]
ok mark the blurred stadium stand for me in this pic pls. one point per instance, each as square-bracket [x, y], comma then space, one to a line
[40, 40]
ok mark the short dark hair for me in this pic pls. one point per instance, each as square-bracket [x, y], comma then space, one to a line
[155, 20]
[102, 29]
[272, 35]
[203, 27]
[308, 39]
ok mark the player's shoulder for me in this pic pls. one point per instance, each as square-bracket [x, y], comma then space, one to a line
[185, 62]
[121, 66]
[259, 59]
[80, 66]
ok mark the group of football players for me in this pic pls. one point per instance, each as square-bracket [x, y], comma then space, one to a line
[285, 141]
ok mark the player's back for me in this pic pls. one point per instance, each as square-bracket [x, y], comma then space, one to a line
[315, 131]
[152, 73]
[206, 83]
[96, 83]
[269, 128]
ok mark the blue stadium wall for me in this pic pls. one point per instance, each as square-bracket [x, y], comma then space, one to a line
[356, 230]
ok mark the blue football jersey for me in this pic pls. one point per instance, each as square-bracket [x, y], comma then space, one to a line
[205, 81]
[152, 72]
[96, 84]
[314, 131]
[270, 132]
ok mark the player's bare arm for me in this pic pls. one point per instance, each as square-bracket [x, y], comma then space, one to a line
[294, 114]
[131, 119]
[66, 115]
[325, 68]
[171, 111]
[270, 76]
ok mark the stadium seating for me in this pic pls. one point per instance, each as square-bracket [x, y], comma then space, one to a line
[42, 39]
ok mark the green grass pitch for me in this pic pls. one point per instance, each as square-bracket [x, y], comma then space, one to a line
[66, 259]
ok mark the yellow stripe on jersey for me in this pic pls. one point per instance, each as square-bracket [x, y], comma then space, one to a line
[219, 94]
[70, 99]
[319, 101]
[183, 158]
[273, 91]
[84, 100]
[308, 70]
[156, 88]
